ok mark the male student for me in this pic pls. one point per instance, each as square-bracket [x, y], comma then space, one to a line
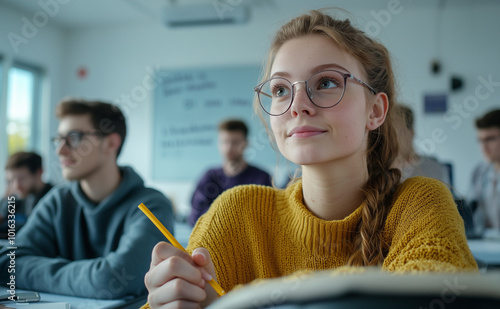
[234, 171]
[485, 186]
[88, 238]
[25, 188]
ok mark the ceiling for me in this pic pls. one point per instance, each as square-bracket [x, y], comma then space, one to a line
[82, 13]
[77, 13]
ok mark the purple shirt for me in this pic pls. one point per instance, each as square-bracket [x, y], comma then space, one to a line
[214, 182]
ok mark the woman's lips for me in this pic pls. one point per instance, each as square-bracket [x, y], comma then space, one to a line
[305, 131]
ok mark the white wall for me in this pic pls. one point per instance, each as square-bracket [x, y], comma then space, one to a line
[118, 57]
[41, 44]
[466, 46]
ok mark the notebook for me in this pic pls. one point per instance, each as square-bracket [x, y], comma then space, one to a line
[41, 305]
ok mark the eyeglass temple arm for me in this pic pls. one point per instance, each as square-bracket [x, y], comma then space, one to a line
[362, 83]
[256, 89]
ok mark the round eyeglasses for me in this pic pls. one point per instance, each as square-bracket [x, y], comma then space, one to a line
[325, 89]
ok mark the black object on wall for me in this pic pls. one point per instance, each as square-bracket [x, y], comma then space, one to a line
[457, 83]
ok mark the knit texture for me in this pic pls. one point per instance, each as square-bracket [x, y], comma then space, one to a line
[255, 232]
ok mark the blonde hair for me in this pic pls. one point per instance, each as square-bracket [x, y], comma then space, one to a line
[369, 247]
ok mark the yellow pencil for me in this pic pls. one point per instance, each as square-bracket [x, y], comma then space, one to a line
[174, 242]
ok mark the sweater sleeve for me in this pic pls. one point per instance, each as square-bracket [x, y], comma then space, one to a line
[228, 232]
[221, 230]
[120, 272]
[425, 230]
[210, 232]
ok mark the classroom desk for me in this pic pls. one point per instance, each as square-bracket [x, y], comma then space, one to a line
[79, 302]
[182, 233]
[368, 288]
[486, 249]
[54, 301]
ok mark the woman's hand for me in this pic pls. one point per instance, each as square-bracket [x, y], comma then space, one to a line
[177, 280]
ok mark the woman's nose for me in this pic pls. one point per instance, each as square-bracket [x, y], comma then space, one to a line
[301, 103]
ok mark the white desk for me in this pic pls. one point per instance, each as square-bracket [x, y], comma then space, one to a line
[368, 288]
[74, 302]
[487, 249]
[182, 233]
[79, 302]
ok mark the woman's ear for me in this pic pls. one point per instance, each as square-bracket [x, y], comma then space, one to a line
[378, 111]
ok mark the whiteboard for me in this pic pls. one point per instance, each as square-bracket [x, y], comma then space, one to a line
[188, 106]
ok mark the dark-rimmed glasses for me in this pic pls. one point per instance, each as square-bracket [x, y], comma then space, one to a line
[74, 138]
[325, 89]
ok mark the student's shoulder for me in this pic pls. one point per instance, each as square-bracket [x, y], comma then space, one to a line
[245, 198]
[430, 162]
[153, 198]
[60, 191]
[248, 192]
[256, 170]
[210, 175]
[133, 185]
[420, 187]
[481, 169]
[57, 199]
[212, 172]
[149, 191]
[420, 193]
[421, 184]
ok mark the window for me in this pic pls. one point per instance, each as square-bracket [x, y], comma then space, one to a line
[23, 93]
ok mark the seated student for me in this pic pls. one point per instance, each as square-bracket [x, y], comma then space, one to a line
[88, 238]
[234, 171]
[25, 188]
[485, 182]
[329, 91]
[412, 164]
[409, 162]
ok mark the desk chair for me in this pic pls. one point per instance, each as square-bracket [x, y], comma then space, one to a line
[464, 208]
[369, 289]
[465, 211]
[449, 168]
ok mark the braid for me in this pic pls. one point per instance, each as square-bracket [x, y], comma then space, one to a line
[370, 248]
[369, 245]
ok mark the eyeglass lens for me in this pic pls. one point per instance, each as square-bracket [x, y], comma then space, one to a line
[73, 139]
[325, 89]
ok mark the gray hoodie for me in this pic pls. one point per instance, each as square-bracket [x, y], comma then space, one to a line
[73, 246]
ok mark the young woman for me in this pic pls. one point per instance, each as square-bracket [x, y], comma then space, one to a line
[327, 93]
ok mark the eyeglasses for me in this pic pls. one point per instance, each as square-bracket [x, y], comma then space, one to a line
[74, 138]
[325, 89]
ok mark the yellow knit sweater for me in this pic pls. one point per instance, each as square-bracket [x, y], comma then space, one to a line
[255, 232]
